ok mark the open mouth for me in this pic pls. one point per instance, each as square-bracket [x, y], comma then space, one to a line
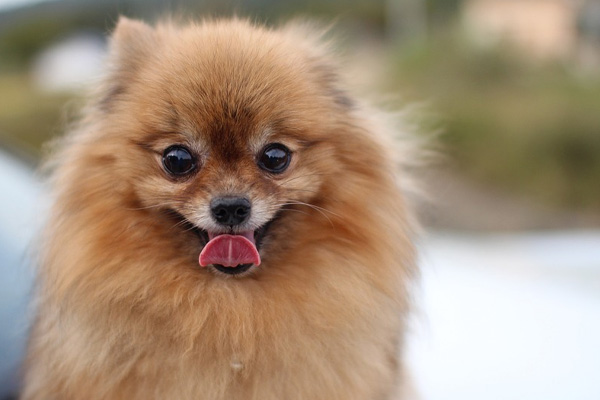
[231, 253]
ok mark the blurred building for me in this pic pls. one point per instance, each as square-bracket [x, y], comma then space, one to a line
[542, 28]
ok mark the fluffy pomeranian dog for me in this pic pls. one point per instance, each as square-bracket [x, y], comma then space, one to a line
[227, 223]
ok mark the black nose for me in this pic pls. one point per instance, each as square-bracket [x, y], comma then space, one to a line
[230, 210]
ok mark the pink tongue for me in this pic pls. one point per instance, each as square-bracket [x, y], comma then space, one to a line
[230, 250]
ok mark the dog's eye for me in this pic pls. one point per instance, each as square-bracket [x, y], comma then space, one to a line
[177, 160]
[275, 158]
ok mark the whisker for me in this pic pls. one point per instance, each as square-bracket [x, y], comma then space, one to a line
[148, 207]
[304, 190]
[314, 206]
[321, 210]
[191, 228]
[183, 222]
[301, 176]
[293, 209]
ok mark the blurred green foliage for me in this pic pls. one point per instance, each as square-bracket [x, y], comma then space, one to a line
[21, 43]
[531, 126]
[29, 118]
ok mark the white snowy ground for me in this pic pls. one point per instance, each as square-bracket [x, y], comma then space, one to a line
[502, 316]
[508, 317]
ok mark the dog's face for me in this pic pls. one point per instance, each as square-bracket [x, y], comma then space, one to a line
[222, 137]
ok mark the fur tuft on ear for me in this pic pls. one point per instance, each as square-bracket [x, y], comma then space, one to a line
[130, 44]
[131, 38]
[312, 38]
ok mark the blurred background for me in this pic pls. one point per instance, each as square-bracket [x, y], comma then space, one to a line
[509, 305]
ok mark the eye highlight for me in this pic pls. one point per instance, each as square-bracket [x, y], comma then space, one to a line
[178, 161]
[275, 158]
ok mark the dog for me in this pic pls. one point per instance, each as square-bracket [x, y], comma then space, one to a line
[226, 223]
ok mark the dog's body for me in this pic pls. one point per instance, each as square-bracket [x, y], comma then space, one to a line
[124, 309]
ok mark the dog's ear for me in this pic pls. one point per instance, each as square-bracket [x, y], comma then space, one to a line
[312, 38]
[131, 43]
[131, 40]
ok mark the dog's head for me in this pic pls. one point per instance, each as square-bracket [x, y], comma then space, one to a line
[223, 129]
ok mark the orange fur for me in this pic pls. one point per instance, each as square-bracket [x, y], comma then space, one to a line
[124, 310]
